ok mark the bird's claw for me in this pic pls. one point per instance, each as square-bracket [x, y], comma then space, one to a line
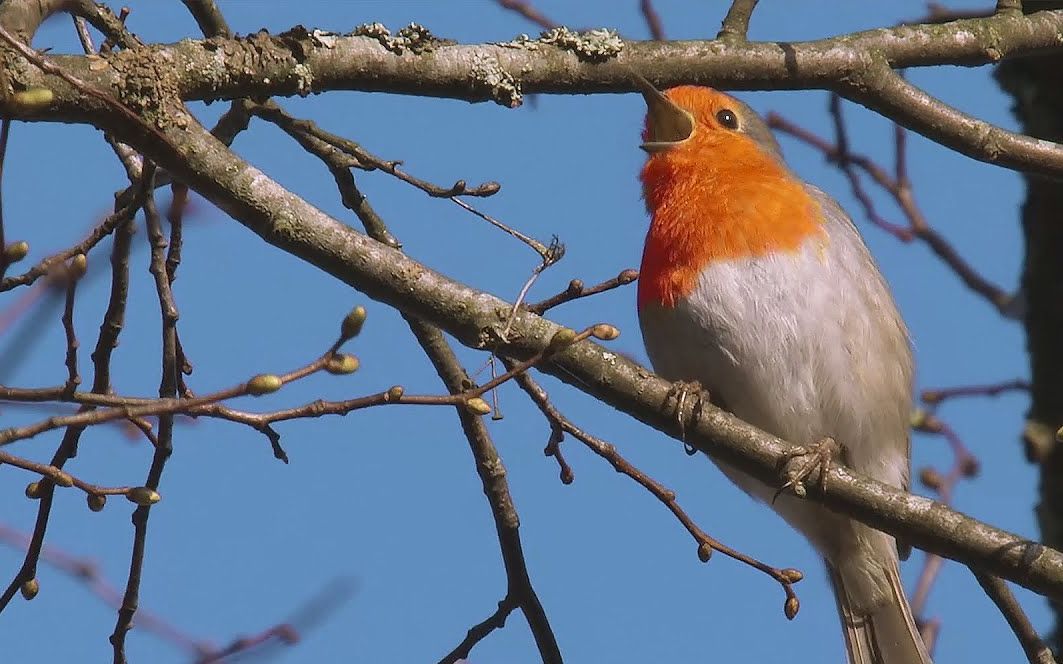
[688, 402]
[821, 454]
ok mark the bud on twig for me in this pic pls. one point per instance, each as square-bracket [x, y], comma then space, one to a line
[562, 339]
[16, 251]
[352, 323]
[477, 406]
[143, 496]
[34, 490]
[263, 384]
[792, 575]
[96, 501]
[791, 607]
[77, 267]
[341, 364]
[395, 393]
[605, 332]
[30, 588]
[704, 552]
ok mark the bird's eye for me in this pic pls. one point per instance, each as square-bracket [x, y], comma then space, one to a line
[727, 118]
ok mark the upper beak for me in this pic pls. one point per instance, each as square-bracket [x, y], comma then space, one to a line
[668, 123]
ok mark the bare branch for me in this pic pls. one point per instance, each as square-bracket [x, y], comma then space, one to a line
[736, 23]
[1037, 652]
[857, 66]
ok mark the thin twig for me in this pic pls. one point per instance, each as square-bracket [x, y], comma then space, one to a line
[736, 23]
[706, 544]
[576, 290]
[1037, 651]
[529, 12]
[653, 20]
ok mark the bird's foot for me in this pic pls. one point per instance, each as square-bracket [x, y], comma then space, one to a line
[803, 461]
[686, 396]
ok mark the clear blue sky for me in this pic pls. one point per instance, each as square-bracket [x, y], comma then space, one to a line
[389, 497]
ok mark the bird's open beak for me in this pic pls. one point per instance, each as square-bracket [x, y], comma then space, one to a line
[669, 124]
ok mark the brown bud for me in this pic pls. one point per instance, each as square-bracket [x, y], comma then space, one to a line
[704, 552]
[567, 476]
[30, 588]
[395, 393]
[792, 575]
[605, 332]
[341, 364]
[969, 466]
[96, 501]
[931, 478]
[352, 323]
[791, 607]
[627, 276]
[575, 286]
[477, 406]
[931, 397]
[143, 496]
[16, 251]
[34, 490]
[562, 339]
[263, 384]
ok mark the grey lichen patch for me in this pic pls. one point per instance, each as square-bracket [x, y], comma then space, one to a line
[522, 41]
[148, 85]
[414, 38]
[592, 45]
[500, 84]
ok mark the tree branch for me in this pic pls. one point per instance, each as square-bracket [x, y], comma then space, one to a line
[857, 66]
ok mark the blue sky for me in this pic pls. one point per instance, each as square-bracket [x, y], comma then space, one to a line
[388, 498]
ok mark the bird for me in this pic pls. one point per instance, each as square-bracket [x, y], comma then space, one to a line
[757, 287]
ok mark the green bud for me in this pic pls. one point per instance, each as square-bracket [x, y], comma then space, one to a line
[16, 251]
[143, 496]
[263, 384]
[562, 339]
[352, 323]
[341, 363]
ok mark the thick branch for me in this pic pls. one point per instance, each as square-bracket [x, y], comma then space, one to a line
[302, 62]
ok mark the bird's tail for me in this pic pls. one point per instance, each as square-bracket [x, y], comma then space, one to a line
[886, 634]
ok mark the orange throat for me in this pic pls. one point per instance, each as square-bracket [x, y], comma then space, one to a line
[731, 204]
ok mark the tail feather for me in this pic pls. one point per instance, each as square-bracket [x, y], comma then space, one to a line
[886, 634]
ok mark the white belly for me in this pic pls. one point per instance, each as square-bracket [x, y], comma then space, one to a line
[801, 345]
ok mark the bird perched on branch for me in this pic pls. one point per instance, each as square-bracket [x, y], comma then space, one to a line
[758, 287]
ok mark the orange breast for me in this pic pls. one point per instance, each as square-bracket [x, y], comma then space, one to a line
[733, 203]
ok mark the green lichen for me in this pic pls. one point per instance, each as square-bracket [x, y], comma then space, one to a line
[592, 45]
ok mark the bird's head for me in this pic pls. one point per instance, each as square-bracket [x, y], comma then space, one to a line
[694, 122]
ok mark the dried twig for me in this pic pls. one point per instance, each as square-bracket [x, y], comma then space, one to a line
[706, 544]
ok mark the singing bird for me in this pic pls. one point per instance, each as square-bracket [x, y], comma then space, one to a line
[757, 286]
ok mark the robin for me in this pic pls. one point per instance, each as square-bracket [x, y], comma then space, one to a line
[757, 286]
